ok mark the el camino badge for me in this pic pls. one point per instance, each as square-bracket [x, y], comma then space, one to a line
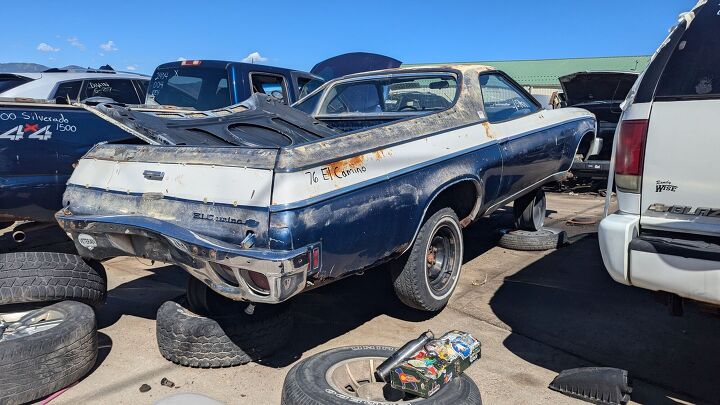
[153, 175]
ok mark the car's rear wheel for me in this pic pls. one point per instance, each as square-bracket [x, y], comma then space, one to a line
[426, 277]
[529, 211]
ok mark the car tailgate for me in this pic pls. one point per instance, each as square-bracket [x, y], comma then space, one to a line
[680, 189]
[222, 192]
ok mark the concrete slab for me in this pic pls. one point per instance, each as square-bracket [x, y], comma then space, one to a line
[536, 314]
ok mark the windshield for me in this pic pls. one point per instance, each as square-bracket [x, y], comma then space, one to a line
[192, 86]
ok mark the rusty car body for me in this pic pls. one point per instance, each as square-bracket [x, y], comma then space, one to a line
[262, 201]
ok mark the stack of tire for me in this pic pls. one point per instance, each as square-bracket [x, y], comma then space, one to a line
[48, 333]
[207, 330]
[529, 233]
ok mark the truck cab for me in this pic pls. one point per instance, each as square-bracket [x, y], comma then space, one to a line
[666, 234]
[211, 84]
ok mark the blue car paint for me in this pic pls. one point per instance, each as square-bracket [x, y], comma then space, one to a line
[33, 171]
[350, 243]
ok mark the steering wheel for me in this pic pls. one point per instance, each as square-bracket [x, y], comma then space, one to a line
[333, 108]
[407, 108]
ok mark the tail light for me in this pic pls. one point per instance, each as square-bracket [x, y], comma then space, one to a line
[630, 155]
[190, 63]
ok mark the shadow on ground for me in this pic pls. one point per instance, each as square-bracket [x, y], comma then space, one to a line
[568, 301]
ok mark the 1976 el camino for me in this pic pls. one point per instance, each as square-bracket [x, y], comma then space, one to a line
[261, 201]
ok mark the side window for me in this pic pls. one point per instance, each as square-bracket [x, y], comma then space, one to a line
[307, 85]
[409, 95]
[120, 90]
[503, 101]
[69, 90]
[271, 85]
[142, 86]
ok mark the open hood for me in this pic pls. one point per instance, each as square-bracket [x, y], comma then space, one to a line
[354, 62]
[258, 122]
[593, 87]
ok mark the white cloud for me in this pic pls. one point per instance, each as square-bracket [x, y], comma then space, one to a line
[254, 57]
[74, 41]
[109, 46]
[131, 67]
[180, 59]
[101, 54]
[43, 47]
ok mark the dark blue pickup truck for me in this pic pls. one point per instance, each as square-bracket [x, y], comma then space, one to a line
[40, 140]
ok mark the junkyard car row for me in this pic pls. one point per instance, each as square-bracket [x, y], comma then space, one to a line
[264, 183]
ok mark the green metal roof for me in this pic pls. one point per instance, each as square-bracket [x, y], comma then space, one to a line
[545, 72]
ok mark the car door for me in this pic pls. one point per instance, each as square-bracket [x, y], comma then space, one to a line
[680, 187]
[531, 151]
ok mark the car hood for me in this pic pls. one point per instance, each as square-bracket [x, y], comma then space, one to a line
[354, 62]
[593, 87]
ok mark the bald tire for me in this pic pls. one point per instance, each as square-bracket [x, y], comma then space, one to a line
[193, 340]
[306, 382]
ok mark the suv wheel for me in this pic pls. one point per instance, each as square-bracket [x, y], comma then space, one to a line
[431, 270]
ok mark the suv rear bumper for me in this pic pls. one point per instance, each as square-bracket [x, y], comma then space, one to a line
[226, 268]
[688, 268]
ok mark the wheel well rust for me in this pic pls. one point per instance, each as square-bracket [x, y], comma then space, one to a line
[463, 197]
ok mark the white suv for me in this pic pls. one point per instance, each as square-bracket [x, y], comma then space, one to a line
[666, 234]
[128, 88]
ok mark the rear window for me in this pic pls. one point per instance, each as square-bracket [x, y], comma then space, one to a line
[196, 87]
[693, 70]
[120, 90]
[410, 94]
[10, 82]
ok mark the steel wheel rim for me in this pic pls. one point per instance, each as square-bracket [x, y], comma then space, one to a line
[20, 325]
[356, 378]
[441, 256]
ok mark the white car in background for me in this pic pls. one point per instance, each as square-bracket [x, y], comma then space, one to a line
[127, 88]
[666, 234]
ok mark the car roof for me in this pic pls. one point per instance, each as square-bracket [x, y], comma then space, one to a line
[224, 63]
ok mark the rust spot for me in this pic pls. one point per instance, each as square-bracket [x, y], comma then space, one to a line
[349, 163]
[379, 154]
[488, 133]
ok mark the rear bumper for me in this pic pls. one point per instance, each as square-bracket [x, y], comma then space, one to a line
[224, 267]
[687, 268]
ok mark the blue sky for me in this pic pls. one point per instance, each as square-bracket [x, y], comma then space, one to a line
[135, 35]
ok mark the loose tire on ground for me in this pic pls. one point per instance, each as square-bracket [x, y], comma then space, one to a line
[544, 239]
[314, 381]
[529, 211]
[192, 340]
[38, 365]
[44, 277]
[414, 276]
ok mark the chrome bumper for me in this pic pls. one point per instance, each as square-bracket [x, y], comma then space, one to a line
[225, 267]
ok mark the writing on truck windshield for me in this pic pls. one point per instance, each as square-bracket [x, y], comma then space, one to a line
[200, 88]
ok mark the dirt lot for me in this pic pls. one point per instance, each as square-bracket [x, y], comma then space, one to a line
[535, 313]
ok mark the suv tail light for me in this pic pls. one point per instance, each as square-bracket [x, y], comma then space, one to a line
[630, 155]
